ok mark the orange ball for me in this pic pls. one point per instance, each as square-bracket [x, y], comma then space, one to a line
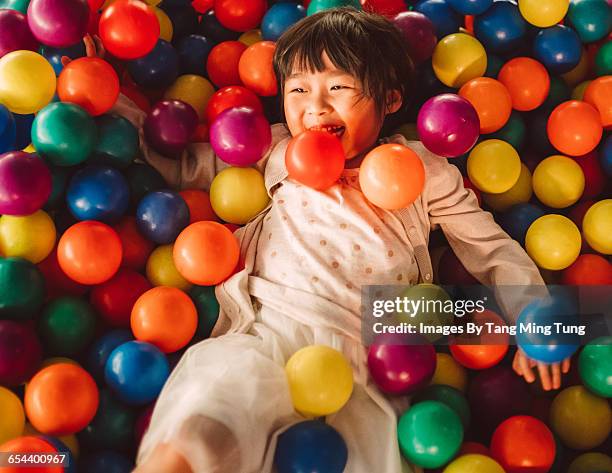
[29, 444]
[61, 399]
[222, 63]
[165, 317]
[588, 269]
[206, 253]
[232, 96]
[574, 128]
[199, 205]
[599, 94]
[89, 252]
[528, 82]
[491, 100]
[89, 82]
[256, 70]
[392, 176]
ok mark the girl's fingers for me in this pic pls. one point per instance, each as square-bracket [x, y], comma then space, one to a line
[544, 376]
[556, 376]
[526, 369]
[565, 366]
[65, 60]
[90, 47]
[99, 46]
[515, 364]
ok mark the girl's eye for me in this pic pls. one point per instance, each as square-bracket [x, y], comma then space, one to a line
[338, 87]
[298, 90]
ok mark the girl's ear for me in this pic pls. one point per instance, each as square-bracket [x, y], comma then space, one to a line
[394, 102]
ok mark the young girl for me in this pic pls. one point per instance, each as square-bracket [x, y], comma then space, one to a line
[307, 256]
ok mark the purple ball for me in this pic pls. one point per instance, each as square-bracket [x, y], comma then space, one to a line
[170, 126]
[58, 23]
[419, 33]
[448, 125]
[15, 34]
[25, 183]
[20, 353]
[240, 136]
[398, 367]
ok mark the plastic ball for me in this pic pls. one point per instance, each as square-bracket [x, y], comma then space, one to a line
[592, 462]
[199, 205]
[222, 64]
[594, 176]
[588, 270]
[419, 34]
[228, 97]
[129, 29]
[239, 16]
[449, 372]
[51, 390]
[603, 60]
[58, 23]
[159, 68]
[320, 380]
[108, 461]
[170, 126]
[519, 193]
[597, 226]
[494, 166]
[67, 326]
[31, 237]
[392, 176]
[57, 283]
[553, 242]
[143, 179]
[558, 182]
[98, 193]
[250, 37]
[474, 463]
[89, 252]
[161, 216]
[31, 445]
[26, 183]
[22, 289]
[448, 125]
[12, 415]
[310, 445]
[316, 6]
[136, 248]
[501, 28]
[315, 159]
[117, 143]
[20, 353]
[598, 93]
[470, 7]
[450, 396]
[256, 70]
[136, 371]
[591, 19]
[430, 434]
[8, 130]
[161, 270]
[558, 48]
[166, 30]
[193, 90]
[193, 51]
[491, 100]
[89, 82]
[527, 81]
[54, 55]
[238, 194]
[459, 58]
[102, 348]
[17, 5]
[582, 420]
[64, 134]
[445, 20]
[278, 18]
[15, 34]
[543, 13]
[574, 128]
[595, 364]
[208, 309]
[27, 81]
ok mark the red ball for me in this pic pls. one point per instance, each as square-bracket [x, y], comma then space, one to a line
[31, 445]
[20, 353]
[594, 178]
[588, 270]
[136, 248]
[240, 15]
[57, 283]
[222, 63]
[388, 8]
[115, 298]
[473, 447]
[453, 272]
[523, 444]
[232, 96]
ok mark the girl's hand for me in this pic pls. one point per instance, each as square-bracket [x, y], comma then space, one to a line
[523, 367]
[93, 48]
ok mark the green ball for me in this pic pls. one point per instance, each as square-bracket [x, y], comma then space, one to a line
[208, 309]
[595, 365]
[22, 289]
[319, 5]
[512, 132]
[143, 179]
[592, 19]
[430, 434]
[436, 303]
[603, 60]
[67, 326]
[59, 182]
[19, 5]
[558, 93]
[117, 141]
[64, 134]
[448, 395]
[494, 65]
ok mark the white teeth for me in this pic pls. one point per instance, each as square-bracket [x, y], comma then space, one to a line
[333, 129]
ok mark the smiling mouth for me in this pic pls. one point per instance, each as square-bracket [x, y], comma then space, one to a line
[337, 130]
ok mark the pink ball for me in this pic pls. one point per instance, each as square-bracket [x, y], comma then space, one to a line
[15, 34]
[25, 183]
[418, 32]
[58, 23]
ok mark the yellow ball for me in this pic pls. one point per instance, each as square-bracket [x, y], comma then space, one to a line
[449, 372]
[29, 149]
[578, 73]
[494, 166]
[153, 3]
[165, 25]
[558, 181]
[591, 463]
[578, 92]
[12, 415]
[553, 242]
[238, 194]
[473, 463]
[251, 37]
[580, 419]
[320, 380]
[27, 82]
[69, 440]
[31, 237]
[161, 270]
[543, 13]
[519, 193]
[192, 89]
[597, 226]
[459, 58]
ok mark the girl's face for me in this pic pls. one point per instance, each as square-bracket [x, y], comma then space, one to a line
[332, 100]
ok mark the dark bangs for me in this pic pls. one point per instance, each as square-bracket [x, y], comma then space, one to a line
[365, 45]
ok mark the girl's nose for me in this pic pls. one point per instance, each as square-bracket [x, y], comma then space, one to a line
[319, 105]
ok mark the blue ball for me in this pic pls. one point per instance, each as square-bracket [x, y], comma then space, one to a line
[7, 130]
[501, 28]
[193, 51]
[184, 19]
[517, 220]
[107, 462]
[470, 7]
[542, 323]
[445, 20]
[98, 193]
[23, 130]
[605, 156]
[211, 28]
[158, 69]
[136, 372]
[161, 216]
[102, 348]
[311, 446]
[61, 447]
[280, 17]
[494, 65]
[558, 48]
[54, 55]
[59, 182]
